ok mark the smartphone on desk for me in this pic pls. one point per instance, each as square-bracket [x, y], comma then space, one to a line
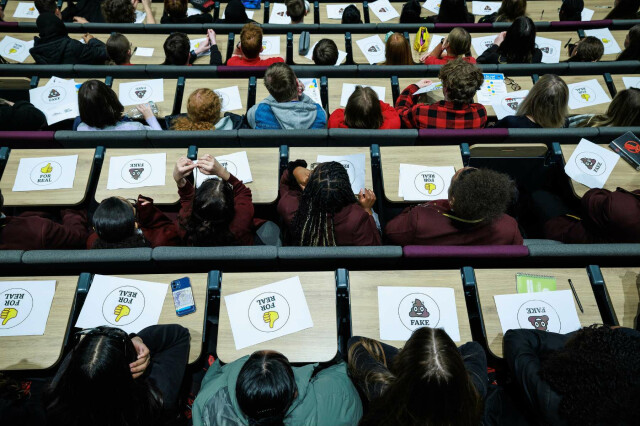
[183, 296]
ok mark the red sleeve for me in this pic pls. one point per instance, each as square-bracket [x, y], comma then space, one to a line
[336, 119]
[242, 224]
[157, 228]
[92, 239]
[289, 200]
[366, 232]
[187, 193]
[404, 107]
[401, 229]
[596, 205]
[71, 234]
[432, 60]
[517, 236]
[391, 120]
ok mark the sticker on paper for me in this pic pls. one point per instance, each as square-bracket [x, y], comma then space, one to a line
[335, 11]
[25, 306]
[45, 173]
[550, 49]
[312, 89]
[58, 100]
[279, 14]
[140, 92]
[270, 45]
[480, 44]
[432, 6]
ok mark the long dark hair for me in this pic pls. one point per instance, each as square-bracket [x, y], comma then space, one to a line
[115, 224]
[211, 213]
[519, 42]
[453, 12]
[98, 104]
[94, 385]
[631, 52]
[426, 383]
[626, 9]
[327, 192]
[265, 388]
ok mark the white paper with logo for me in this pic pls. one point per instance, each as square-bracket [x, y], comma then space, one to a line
[25, 306]
[587, 93]
[432, 6]
[349, 88]
[354, 164]
[230, 98]
[195, 43]
[58, 100]
[372, 48]
[15, 49]
[485, 7]
[26, 10]
[383, 10]
[509, 103]
[605, 36]
[140, 92]
[45, 173]
[480, 44]
[270, 45]
[137, 171]
[424, 183]
[550, 49]
[312, 89]
[334, 11]
[591, 164]
[279, 14]
[236, 163]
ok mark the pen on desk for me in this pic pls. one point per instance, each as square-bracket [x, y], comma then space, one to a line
[568, 42]
[573, 289]
[541, 14]
[134, 49]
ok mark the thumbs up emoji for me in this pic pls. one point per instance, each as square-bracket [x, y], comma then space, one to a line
[429, 187]
[585, 96]
[121, 311]
[8, 313]
[270, 317]
[47, 168]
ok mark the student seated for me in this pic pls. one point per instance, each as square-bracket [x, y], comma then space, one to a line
[631, 50]
[177, 49]
[398, 51]
[247, 52]
[297, 10]
[546, 105]
[175, 12]
[588, 49]
[474, 214]
[428, 381]
[460, 82]
[320, 209]
[124, 11]
[451, 12]
[101, 110]
[325, 52]
[351, 15]
[623, 111]
[265, 389]
[203, 113]
[21, 115]
[235, 13]
[571, 10]
[119, 49]
[286, 107]
[219, 212]
[34, 231]
[517, 45]
[54, 46]
[509, 11]
[456, 45]
[365, 111]
[624, 9]
[122, 223]
[588, 377]
[410, 13]
[113, 378]
[48, 6]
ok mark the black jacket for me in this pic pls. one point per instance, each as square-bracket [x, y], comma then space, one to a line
[203, 18]
[492, 56]
[65, 50]
[21, 116]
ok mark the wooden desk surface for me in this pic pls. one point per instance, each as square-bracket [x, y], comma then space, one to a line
[392, 156]
[493, 282]
[623, 175]
[263, 163]
[53, 197]
[623, 286]
[195, 321]
[595, 109]
[310, 154]
[40, 352]
[335, 89]
[316, 344]
[364, 298]
[167, 194]
[191, 84]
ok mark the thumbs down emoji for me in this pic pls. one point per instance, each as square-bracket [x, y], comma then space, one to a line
[121, 311]
[47, 168]
[270, 317]
[585, 96]
[8, 313]
[429, 187]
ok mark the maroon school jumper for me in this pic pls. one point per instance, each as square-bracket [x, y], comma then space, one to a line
[434, 223]
[29, 231]
[353, 225]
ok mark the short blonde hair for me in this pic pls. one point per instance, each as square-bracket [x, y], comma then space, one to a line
[459, 41]
[547, 102]
[203, 111]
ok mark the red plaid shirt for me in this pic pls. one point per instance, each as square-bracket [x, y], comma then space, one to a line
[439, 115]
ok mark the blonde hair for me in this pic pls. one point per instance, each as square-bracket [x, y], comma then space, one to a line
[203, 111]
[459, 41]
[623, 111]
[547, 102]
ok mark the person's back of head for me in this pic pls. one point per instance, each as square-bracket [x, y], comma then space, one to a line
[118, 11]
[624, 9]
[235, 13]
[211, 213]
[50, 26]
[115, 224]
[589, 49]
[266, 388]
[98, 104]
[453, 11]
[176, 9]
[460, 80]
[520, 41]
[363, 109]
[203, 111]
[510, 10]
[281, 82]
[351, 15]
[623, 111]
[47, 6]
[398, 51]
[251, 41]
[459, 42]
[609, 359]
[119, 49]
[571, 10]
[547, 102]
[410, 13]
[480, 195]
[176, 49]
[631, 50]
[325, 52]
[296, 10]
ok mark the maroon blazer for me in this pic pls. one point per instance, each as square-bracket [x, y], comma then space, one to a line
[434, 223]
[156, 227]
[353, 225]
[30, 231]
[242, 225]
[605, 217]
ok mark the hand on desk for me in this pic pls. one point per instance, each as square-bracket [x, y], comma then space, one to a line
[144, 358]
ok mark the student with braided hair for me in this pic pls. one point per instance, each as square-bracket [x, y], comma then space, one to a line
[319, 207]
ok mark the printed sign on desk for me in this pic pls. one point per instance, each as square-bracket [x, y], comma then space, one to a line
[45, 173]
[422, 183]
[372, 48]
[587, 93]
[137, 171]
[140, 92]
[25, 306]
[236, 163]
[15, 49]
[590, 164]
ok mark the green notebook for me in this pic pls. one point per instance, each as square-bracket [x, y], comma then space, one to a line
[531, 283]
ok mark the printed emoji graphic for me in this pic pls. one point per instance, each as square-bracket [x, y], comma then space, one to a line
[419, 310]
[588, 162]
[269, 312]
[136, 172]
[270, 317]
[374, 49]
[280, 13]
[383, 10]
[585, 96]
[429, 187]
[7, 314]
[141, 93]
[539, 322]
[545, 49]
[121, 311]
[53, 93]
[13, 50]
[605, 40]
[487, 8]
[47, 168]
[632, 146]
[123, 305]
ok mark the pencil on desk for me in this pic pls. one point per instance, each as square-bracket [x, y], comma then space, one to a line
[568, 42]
[573, 289]
[541, 14]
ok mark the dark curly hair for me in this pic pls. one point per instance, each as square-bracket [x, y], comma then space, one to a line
[598, 375]
[211, 213]
[481, 194]
[461, 80]
[118, 12]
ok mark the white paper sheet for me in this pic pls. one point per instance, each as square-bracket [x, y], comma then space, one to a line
[354, 164]
[45, 173]
[435, 40]
[26, 10]
[279, 14]
[587, 14]
[349, 88]
[341, 55]
[25, 306]
[591, 164]
[144, 51]
[191, 11]
[312, 89]
[430, 88]
[15, 49]
[508, 104]
[550, 49]
[630, 82]
[137, 171]
[432, 5]
[402, 310]
[605, 36]
[268, 312]
[372, 48]
[248, 12]
[230, 98]
[195, 43]
[140, 92]
[334, 11]
[140, 17]
[383, 10]
[480, 44]
[423, 183]
[236, 163]
[587, 93]
[58, 100]
[129, 305]
[270, 45]
[553, 311]
[485, 7]
[492, 88]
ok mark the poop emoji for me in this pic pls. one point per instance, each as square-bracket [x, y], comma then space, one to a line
[487, 8]
[418, 309]
[374, 49]
[53, 93]
[141, 93]
[136, 172]
[588, 162]
[539, 323]
[545, 49]
[429, 187]
[383, 10]
[512, 103]
[47, 168]
[280, 14]
[340, 11]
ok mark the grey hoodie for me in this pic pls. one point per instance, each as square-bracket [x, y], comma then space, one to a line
[302, 114]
